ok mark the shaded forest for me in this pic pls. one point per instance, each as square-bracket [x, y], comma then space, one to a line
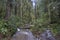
[37, 16]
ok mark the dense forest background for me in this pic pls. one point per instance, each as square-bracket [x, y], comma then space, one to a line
[45, 14]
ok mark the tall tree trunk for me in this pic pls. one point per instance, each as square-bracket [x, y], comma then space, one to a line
[8, 9]
[16, 9]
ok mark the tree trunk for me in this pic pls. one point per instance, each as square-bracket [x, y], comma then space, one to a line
[8, 9]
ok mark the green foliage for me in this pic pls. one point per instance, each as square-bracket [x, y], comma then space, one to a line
[45, 14]
[6, 29]
[2, 27]
[48, 17]
[14, 21]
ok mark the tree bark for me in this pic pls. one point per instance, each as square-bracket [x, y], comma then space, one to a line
[8, 9]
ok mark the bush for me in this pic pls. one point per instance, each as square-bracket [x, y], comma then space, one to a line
[6, 29]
